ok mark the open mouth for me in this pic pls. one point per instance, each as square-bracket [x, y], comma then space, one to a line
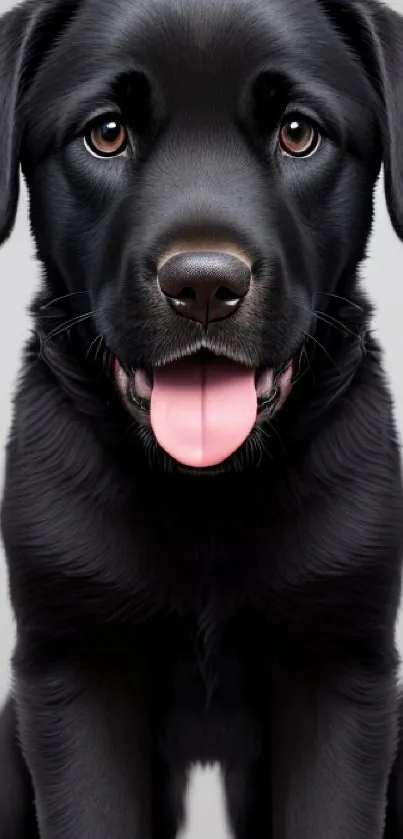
[204, 407]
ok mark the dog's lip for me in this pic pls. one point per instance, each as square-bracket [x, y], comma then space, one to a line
[272, 387]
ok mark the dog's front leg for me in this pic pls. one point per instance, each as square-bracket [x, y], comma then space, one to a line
[86, 739]
[333, 741]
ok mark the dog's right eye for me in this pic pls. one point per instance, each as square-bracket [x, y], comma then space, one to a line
[107, 136]
[299, 137]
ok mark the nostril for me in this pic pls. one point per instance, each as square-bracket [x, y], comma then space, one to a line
[187, 293]
[226, 295]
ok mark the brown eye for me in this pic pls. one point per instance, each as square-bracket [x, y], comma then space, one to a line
[299, 137]
[108, 137]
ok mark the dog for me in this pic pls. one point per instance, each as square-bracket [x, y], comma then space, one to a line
[202, 511]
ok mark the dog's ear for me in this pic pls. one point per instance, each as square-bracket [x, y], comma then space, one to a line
[26, 34]
[14, 35]
[386, 29]
[375, 33]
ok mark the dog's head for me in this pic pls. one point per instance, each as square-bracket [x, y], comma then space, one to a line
[201, 180]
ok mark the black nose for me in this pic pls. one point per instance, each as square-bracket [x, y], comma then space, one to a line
[204, 286]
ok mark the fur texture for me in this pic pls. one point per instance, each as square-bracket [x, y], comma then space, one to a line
[244, 615]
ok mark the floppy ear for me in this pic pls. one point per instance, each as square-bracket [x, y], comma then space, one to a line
[26, 34]
[14, 39]
[375, 34]
[388, 45]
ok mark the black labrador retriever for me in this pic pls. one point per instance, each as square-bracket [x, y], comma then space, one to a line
[203, 504]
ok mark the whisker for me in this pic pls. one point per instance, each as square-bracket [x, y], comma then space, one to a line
[260, 449]
[101, 339]
[273, 430]
[62, 297]
[97, 337]
[331, 321]
[97, 341]
[65, 326]
[300, 375]
[324, 350]
[324, 317]
[339, 297]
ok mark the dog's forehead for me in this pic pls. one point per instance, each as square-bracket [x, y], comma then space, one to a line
[174, 37]
[202, 24]
[192, 34]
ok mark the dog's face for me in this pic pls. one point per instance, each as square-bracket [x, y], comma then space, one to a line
[201, 181]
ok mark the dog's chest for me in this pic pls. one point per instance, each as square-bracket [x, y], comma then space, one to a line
[210, 710]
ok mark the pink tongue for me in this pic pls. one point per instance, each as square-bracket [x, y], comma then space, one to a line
[202, 412]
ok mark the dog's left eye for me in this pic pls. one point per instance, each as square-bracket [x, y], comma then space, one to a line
[299, 137]
[107, 137]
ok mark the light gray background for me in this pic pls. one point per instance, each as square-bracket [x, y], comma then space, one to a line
[18, 279]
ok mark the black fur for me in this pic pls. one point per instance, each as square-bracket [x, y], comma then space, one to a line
[244, 616]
